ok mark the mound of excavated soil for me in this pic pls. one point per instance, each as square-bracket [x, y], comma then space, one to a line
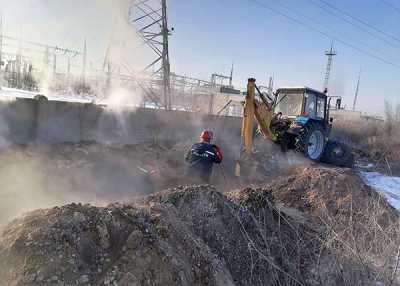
[185, 236]
[331, 193]
[192, 236]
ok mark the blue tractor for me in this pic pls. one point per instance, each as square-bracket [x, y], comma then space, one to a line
[295, 118]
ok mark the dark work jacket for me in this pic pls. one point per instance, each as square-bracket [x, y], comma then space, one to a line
[200, 160]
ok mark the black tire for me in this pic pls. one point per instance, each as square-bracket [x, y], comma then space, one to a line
[311, 141]
[41, 98]
[338, 154]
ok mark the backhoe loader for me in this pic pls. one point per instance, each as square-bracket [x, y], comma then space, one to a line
[296, 118]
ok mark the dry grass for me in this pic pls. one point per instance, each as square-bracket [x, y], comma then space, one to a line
[329, 231]
[359, 250]
[377, 142]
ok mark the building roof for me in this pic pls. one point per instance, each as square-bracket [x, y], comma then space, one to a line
[299, 88]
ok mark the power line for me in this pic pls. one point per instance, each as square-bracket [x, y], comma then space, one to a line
[340, 16]
[395, 8]
[328, 27]
[360, 20]
[297, 21]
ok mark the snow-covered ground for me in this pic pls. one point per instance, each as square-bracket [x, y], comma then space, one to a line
[389, 186]
[9, 93]
[12, 93]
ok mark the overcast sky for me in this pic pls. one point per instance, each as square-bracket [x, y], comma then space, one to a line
[211, 34]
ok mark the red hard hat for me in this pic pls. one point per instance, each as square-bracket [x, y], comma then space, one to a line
[207, 135]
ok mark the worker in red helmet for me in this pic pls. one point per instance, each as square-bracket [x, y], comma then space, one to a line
[202, 156]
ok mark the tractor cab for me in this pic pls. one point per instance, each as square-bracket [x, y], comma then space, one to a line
[300, 120]
[301, 104]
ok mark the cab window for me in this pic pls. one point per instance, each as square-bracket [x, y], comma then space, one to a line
[310, 106]
[320, 107]
[289, 103]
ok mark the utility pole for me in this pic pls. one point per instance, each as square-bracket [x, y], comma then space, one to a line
[231, 78]
[357, 89]
[46, 60]
[330, 54]
[1, 42]
[84, 62]
[18, 65]
[271, 86]
[54, 64]
[69, 71]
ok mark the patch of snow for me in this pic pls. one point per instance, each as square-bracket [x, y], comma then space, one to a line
[74, 99]
[6, 93]
[12, 92]
[389, 186]
[365, 166]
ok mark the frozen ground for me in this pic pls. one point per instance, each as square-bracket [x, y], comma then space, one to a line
[389, 186]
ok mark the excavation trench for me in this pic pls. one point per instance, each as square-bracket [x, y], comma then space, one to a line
[42, 176]
[126, 215]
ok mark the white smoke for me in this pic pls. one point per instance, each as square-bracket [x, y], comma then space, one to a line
[123, 38]
[122, 97]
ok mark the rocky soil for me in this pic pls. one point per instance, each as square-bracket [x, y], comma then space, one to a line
[318, 226]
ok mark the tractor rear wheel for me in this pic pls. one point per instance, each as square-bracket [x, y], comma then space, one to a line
[312, 141]
[338, 154]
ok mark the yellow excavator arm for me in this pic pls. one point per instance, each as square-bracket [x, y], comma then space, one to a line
[248, 116]
[261, 111]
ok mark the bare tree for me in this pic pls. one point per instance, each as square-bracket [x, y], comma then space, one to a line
[390, 117]
[397, 115]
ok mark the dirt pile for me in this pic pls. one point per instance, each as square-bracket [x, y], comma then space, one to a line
[358, 230]
[185, 236]
[199, 236]
[331, 193]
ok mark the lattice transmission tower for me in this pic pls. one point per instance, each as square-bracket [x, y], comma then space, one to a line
[330, 54]
[150, 19]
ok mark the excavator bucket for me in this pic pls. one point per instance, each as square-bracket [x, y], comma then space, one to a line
[237, 168]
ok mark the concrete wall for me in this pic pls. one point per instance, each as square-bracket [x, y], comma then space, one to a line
[343, 114]
[18, 121]
[26, 121]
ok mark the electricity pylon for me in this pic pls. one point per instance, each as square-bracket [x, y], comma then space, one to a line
[150, 19]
